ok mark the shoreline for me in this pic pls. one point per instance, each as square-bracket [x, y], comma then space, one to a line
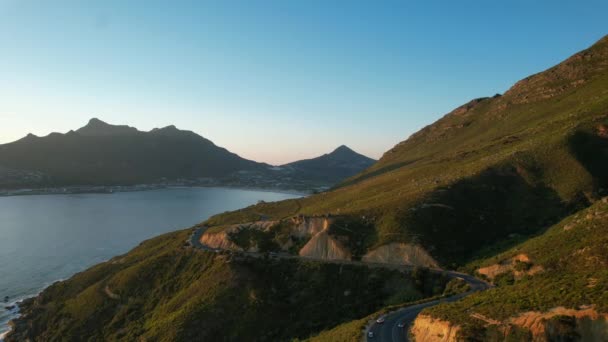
[17, 303]
[14, 315]
[111, 189]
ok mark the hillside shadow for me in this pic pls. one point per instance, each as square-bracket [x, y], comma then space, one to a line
[591, 150]
[483, 215]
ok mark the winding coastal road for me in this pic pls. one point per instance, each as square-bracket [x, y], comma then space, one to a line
[389, 330]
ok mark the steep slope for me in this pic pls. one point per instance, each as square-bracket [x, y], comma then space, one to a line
[557, 287]
[164, 291]
[104, 154]
[485, 176]
[332, 167]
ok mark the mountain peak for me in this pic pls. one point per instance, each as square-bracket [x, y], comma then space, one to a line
[343, 149]
[166, 129]
[343, 152]
[96, 127]
[96, 121]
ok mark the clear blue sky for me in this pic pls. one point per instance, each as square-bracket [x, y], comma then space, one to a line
[274, 81]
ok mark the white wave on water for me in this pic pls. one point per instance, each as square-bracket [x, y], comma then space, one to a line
[5, 316]
[2, 335]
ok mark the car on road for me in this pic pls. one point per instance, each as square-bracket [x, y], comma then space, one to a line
[370, 334]
[401, 325]
[381, 320]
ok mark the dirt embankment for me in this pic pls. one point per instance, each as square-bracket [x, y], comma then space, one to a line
[400, 254]
[324, 246]
[307, 226]
[303, 228]
[429, 329]
[321, 244]
[219, 240]
[558, 323]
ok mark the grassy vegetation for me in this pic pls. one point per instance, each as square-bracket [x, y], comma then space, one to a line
[574, 258]
[356, 233]
[352, 331]
[163, 291]
[486, 176]
[271, 239]
[247, 238]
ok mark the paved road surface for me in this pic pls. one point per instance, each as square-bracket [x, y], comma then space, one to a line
[389, 330]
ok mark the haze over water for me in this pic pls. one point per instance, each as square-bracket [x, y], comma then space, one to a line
[50, 237]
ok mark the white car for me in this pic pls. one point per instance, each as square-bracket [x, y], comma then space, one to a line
[380, 320]
[401, 325]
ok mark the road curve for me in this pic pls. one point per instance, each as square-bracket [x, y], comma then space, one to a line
[388, 331]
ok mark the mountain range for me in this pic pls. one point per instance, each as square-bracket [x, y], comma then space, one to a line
[511, 188]
[103, 154]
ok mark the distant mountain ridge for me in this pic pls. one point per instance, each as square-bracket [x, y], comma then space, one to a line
[100, 153]
[335, 166]
[96, 127]
[104, 154]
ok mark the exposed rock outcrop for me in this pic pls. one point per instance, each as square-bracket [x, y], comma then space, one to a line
[602, 130]
[323, 246]
[306, 226]
[520, 265]
[585, 323]
[429, 329]
[219, 240]
[400, 254]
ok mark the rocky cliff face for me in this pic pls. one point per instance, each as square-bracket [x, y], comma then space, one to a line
[219, 240]
[400, 254]
[323, 246]
[520, 265]
[429, 329]
[306, 226]
[559, 323]
[302, 227]
[320, 243]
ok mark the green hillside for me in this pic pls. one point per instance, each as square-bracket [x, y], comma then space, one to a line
[486, 175]
[164, 291]
[572, 263]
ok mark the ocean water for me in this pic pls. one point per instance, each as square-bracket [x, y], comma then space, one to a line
[50, 237]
